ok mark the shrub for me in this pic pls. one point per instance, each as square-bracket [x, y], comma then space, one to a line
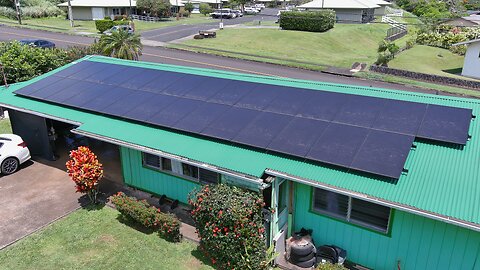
[41, 12]
[188, 7]
[167, 225]
[230, 226]
[205, 9]
[86, 171]
[103, 25]
[8, 12]
[311, 21]
[410, 43]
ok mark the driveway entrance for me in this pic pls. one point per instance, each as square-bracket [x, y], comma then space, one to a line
[32, 198]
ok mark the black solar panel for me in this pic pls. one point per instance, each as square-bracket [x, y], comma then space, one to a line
[446, 124]
[298, 137]
[356, 132]
[262, 129]
[383, 153]
[338, 144]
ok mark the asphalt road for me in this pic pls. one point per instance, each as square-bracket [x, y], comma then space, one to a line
[176, 57]
[185, 30]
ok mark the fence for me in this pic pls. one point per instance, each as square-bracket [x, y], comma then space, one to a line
[397, 29]
[393, 12]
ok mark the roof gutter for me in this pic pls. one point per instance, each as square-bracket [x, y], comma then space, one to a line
[40, 114]
[257, 181]
[361, 196]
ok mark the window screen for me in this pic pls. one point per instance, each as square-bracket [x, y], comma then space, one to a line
[190, 170]
[208, 177]
[370, 214]
[151, 160]
[353, 210]
[331, 203]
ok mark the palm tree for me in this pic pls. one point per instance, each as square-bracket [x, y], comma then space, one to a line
[121, 44]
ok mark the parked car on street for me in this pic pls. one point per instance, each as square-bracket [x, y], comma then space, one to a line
[260, 6]
[238, 13]
[250, 10]
[13, 152]
[225, 13]
[37, 43]
[125, 27]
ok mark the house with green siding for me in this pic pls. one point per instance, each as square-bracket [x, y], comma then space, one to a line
[418, 207]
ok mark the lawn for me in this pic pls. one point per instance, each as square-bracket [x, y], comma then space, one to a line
[5, 126]
[341, 46]
[430, 60]
[60, 24]
[95, 239]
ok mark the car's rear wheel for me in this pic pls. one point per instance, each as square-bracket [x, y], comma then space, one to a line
[9, 165]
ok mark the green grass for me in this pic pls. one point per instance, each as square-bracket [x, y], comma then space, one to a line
[341, 46]
[5, 126]
[60, 24]
[97, 240]
[430, 60]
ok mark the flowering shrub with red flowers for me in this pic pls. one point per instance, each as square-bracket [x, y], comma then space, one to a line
[167, 225]
[85, 170]
[230, 226]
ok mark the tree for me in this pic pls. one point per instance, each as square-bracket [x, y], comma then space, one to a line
[158, 8]
[205, 9]
[189, 7]
[241, 3]
[121, 44]
[86, 171]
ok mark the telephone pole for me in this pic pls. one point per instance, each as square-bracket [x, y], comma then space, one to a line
[70, 13]
[19, 15]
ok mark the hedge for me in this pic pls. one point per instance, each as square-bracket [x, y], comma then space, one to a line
[105, 24]
[311, 21]
[167, 225]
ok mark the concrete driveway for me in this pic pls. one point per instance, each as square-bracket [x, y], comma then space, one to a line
[32, 198]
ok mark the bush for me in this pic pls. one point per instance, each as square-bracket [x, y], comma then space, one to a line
[230, 226]
[105, 24]
[311, 21]
[410, 43]
[8, 12]
[167, 225]
[86, 171]
[41, 12]
[205, 9]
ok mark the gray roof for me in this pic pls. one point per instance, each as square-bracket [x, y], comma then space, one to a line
[340, 4]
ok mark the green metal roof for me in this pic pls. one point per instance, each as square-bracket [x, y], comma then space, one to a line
[441, 179]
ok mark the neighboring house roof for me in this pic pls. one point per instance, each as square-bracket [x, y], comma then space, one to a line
[100, 3]
[340, 4]
[441, 182]
[467, 42]
[203, 1]
[473, 18]
[378, 2]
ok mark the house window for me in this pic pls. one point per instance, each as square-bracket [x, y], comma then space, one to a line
[189, 171]
[116, 11]
[352, 210]
[157, 162]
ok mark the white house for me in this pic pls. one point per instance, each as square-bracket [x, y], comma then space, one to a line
[471, 65]
[99, 9]
[347, 11]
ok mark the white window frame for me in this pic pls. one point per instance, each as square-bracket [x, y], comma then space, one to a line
[177, 169]
[347, 218]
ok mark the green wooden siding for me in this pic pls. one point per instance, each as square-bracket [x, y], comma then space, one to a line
[417, 242]
[152, 180]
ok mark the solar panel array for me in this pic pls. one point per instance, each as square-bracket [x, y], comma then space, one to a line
[356, 132]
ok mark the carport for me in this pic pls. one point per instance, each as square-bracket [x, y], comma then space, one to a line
[50, 141]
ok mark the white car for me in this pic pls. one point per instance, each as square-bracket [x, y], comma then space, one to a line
[250, 10]
[13, 152]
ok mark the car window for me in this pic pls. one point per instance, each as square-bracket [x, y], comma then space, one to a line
[1, 144]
